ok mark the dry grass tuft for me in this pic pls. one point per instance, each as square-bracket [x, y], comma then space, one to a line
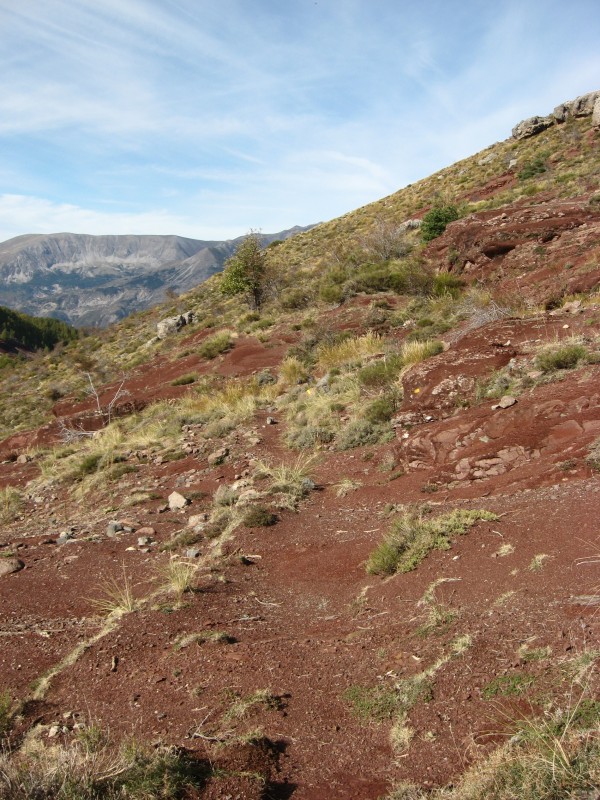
[10, 503]
[350, 351]
[118, 598]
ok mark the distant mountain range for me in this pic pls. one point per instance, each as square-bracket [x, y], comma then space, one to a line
[96, 280]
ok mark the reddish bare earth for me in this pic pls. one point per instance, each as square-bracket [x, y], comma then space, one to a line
[276, 669]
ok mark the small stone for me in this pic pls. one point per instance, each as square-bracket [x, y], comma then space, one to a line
[192, 552]
[54, 731]
[146, 531]
[271, 421]
[113, 528]
[218, 456]
[23, 458]
[506, 401]
[144, 541]
[8, 566]
[177, 501]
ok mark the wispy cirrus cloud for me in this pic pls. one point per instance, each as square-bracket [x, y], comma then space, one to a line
[228, 116]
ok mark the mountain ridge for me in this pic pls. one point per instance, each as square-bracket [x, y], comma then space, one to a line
[94, 280]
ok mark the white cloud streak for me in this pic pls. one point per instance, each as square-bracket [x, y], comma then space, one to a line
[193, 117]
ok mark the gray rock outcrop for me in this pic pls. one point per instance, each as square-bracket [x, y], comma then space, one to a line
[171, 325]
[580, 107]
[531, 127]
[596, 114]
[584, 106]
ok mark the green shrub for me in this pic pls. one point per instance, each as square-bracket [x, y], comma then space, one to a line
[118, 470]
[259, 517]
[5, 712]
[294, 298]
[184, 380]
[331, 293]
[214, 345]
[593, 456]
[566, 356]
[382, 409]
[262, 324]
[359, 433]
[446, 283]
[537, 166]
[88, 464]
[250, 316]
[436, 221]
[380, 373]
[309, 436]
[10, 503]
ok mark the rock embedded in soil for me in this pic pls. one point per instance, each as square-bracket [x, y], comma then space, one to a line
[113, 528]
[8, 566]
[147, 530]
[505, 402]
[218, 456]
[177, 501]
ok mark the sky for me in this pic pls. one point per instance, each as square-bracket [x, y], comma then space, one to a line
[210, 118]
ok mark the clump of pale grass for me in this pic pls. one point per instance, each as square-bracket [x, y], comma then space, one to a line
[118, 597]
[291, 481]
[345, 486]
[415, 352]
[292, 371]
[178, 577]
[10, 503]
[350, 351]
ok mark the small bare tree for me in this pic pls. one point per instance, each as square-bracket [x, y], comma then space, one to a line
[73, 432]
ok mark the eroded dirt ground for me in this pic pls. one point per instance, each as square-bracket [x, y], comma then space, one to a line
[285, 626]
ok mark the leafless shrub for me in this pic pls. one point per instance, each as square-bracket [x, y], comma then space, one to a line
[71, 432]
[386, 240]
[480, 309]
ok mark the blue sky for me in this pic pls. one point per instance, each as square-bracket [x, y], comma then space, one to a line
[206, 118]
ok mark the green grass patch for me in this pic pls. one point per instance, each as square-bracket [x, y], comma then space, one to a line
[185, 380]
[215, 345]
[372, 703]
[414, 534]
[259, 517]
[566, 356]
[508, 686]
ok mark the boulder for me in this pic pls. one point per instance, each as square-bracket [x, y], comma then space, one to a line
[596, 113]
[171, 325]
[531, 127]
[113, 528]
[177, 501]
[10, 565]
[582, 106]
[218, 457]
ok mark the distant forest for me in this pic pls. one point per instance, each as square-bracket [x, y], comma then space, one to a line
[33, 333]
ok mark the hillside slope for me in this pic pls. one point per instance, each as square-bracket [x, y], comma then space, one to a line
[343, 548]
